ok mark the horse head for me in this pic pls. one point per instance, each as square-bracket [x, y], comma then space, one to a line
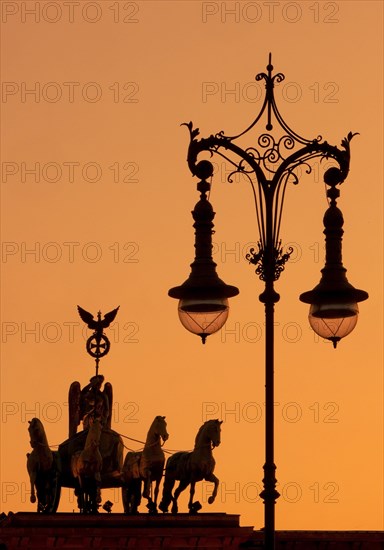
[36, 432]
[160, 427]
[211, 430]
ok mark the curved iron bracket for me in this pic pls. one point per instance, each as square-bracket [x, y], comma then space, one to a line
[269, 166]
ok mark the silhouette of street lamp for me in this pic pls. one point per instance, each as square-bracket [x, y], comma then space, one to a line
[203, 306]
[269, 167]
[334, 310]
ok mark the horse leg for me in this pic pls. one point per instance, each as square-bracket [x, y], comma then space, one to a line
[152, 503]
[94, 496]
[86, 502]
[136, 495]
[89, 492]
[33, 482]
[80, 496]
[126, 496]
[147, 487]
[214, 480]
[193, 507]
[166, 499]
[156, 491]
[130, 496]
[147, 490]
[182, 485]
[191, 495]
[89, 496]
[32, 471]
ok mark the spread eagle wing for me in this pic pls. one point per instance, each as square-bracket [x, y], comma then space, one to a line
[109, 317]
[87, 318]
[74, 407]
[109, 394]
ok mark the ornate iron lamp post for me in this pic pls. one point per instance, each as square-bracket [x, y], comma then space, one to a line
[269, 166]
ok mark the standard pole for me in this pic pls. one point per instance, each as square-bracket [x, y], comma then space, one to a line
[269, 494]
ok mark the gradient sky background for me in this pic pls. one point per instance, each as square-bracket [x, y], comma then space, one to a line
[108, 215]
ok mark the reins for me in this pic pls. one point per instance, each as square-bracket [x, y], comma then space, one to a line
[168, 451]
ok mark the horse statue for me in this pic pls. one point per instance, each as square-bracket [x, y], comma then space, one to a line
[191, 467]
[43, 469]
[146, 466]
[131, 483]
[86, 467]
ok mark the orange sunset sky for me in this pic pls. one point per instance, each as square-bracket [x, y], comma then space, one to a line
[96, 202]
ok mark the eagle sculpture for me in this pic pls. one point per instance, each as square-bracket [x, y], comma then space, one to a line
[100, 324]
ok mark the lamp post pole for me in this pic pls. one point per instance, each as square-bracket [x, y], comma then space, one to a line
[269, 166]
[269, 494]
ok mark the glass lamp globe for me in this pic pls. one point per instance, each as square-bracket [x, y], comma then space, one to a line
[333, 321]
[203, 317]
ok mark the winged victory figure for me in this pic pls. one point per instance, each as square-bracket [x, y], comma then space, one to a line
[90, 403]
